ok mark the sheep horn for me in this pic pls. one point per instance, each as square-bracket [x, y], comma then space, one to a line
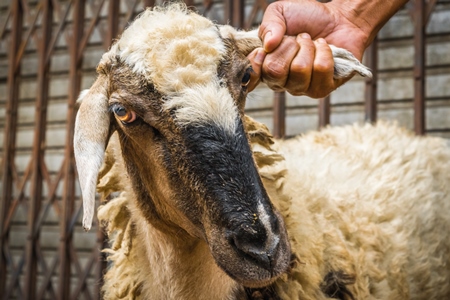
[90, 138]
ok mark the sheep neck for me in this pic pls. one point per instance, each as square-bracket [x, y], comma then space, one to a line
[181, 266]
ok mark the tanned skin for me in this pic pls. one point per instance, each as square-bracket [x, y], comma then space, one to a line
[296, 33]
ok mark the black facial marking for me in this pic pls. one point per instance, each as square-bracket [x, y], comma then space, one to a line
[222, 166]
[334, 285]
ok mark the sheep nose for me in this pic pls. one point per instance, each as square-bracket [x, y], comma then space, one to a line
[256, 243]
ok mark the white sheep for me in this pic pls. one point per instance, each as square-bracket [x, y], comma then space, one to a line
[359, 212]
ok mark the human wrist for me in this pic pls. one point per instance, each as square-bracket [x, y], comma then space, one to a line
[368, 16]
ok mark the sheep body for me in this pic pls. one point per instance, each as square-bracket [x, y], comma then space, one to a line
[363, 208]
[366, 204]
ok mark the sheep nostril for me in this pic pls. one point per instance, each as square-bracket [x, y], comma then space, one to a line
[256, 246]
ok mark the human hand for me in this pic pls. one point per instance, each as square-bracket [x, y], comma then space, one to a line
[302, 63]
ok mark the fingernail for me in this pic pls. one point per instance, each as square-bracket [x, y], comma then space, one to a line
[305, 36]
[267, 36]
[260, 55]
[321, 41]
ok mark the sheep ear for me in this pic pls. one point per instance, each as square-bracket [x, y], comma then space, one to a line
[92, 130]
[345, 64]
[246, 41]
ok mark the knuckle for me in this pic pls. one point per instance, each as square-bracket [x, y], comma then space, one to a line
[300, 68]
[275, 69]
[324, 66]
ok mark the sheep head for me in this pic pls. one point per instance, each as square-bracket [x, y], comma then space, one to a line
[174, 87]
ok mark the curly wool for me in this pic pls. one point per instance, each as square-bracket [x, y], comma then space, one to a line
[366, 207]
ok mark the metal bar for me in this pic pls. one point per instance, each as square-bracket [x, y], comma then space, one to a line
[257, 6]
[227, 11]
[438, 130]
[47, 285]
[61, 26]
[3, 27]
[324, 111]
[79, 271]
[279, 115]
[131, 12]
[51, 200]
[113, 22]
[15, 280]
[370, 104]
[69, 172]
[189, 3]
[94, 21]
[237, 17]
[102, 243]
[29, 33]
[324, 107]
[419, 66]
[9, 141]
[83, 276]
[149, 3]
[59, 15]
[430, 7]
[27, 10]
[40, 127]
[47, 279]
[19, 198]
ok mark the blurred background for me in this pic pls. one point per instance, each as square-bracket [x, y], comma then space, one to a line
[49, 50]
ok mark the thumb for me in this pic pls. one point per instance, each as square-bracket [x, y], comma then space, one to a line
[273, 27]
[256, 58]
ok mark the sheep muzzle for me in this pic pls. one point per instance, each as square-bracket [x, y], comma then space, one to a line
[244, 231]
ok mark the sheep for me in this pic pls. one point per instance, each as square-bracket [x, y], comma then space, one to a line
[206, 204]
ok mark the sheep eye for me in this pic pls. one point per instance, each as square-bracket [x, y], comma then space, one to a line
[246, 78]
[124, 115]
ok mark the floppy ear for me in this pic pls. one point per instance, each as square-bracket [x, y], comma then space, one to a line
[345, 64]
[246, 41]
[91, 135]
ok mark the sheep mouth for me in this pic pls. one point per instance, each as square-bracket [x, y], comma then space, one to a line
[249, 266]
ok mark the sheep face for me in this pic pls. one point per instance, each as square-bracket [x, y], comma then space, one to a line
[174, 87]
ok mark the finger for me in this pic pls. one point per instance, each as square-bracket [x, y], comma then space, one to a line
[256, 58]
[275, 68]
[322, 81]
[273, 27]
[301, 66]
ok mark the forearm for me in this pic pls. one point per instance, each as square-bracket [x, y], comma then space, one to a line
[368, 15]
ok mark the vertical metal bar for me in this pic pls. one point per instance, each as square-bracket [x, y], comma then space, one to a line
[324, 108]
[324, 111]
[102, 243]
[279, 115]
[113, 21]
[370, 106]
[68, 200]
[149, 3]
[9, 142]
[38, 152]
[227, 11]
[419, 66]
[237, 17]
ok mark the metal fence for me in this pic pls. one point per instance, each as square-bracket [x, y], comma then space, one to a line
[35, 195]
